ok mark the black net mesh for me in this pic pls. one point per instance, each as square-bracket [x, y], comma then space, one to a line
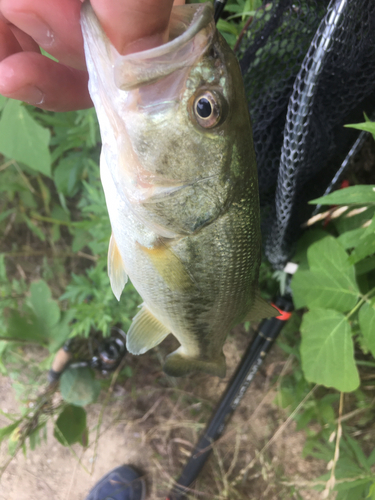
[309, 68]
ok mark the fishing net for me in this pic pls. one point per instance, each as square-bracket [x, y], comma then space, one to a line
[308, 68]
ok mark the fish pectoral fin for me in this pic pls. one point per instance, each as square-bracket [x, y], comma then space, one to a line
[178, 365]
[145, 332]
[169, 266]
[261, 309]
[116, 269]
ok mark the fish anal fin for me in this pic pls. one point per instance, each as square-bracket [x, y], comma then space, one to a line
[178, 365]
[116, 270]
[169, 267]
[261, 309]
[145, 332]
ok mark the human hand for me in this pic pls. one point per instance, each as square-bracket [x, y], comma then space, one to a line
[26, 25]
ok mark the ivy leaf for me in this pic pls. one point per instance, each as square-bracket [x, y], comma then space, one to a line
[23, 139]
[360, 195]
[70, 425]
[330, 282]
[327, 352]
[79, 387]
[366, 318]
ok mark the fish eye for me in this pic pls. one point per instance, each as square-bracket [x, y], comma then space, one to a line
[208, 109]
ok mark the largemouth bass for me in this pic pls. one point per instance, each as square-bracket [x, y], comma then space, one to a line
[179, 175]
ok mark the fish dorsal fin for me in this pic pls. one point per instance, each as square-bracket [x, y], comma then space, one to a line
[145, 332]
[116, 270]
[169, 266]
[261, 309]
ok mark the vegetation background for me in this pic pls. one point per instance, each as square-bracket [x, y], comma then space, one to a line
[306, 424]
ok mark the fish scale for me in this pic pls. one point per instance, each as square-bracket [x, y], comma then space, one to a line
[181, 187]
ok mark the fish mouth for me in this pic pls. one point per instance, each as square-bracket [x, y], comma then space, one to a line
[191, 30]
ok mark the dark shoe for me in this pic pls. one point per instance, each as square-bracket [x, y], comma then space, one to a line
[122, 483]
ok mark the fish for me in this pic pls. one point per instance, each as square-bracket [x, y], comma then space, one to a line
[179, 174]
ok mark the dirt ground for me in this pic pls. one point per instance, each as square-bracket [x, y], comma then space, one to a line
[153, 421]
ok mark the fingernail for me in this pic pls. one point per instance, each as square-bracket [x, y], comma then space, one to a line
[36, 28]
[29, 94]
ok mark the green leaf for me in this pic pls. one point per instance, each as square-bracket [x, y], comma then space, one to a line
[350, 239]
[366, 318]
[81, 239]
[33, 227]
[371, 493]
[367, 126]
[44, 307]
[327, 352]
[14, 440]
[70, 425]
[3, 101]
[365, 247]
[23, 139]
[329, 283]
[359, 195]
[79, 387]
[24, 328]
[8, 430]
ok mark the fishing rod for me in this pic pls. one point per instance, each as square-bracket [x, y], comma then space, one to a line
[267, 333]
[219, 6]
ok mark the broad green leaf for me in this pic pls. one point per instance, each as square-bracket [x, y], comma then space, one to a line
[365, 266]
[23, 139]
[40, 322]
[329, 283]
[359, 195]
[343, 224]
[350, 239]
[70, 425]
[307, 239]
[25, 328]
[44, 307]
[317, 289]
[3, 101]
[61, 331]
[366, 318]
[365, 247]
[327, 352]
[328, 254]
[79, 387]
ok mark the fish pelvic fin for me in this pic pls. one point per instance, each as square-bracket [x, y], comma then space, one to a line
[116, 269]
[178, 365]
[260, 309]
[145, 332]
[169, 266]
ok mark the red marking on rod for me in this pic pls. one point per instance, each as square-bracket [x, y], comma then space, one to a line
[284, 315]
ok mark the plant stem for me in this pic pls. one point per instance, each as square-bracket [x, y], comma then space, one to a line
[363, 299]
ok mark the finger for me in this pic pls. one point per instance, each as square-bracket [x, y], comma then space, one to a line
[134, 25]
[54, 25]
[8, 42]
[38, 80]
[26, 42]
